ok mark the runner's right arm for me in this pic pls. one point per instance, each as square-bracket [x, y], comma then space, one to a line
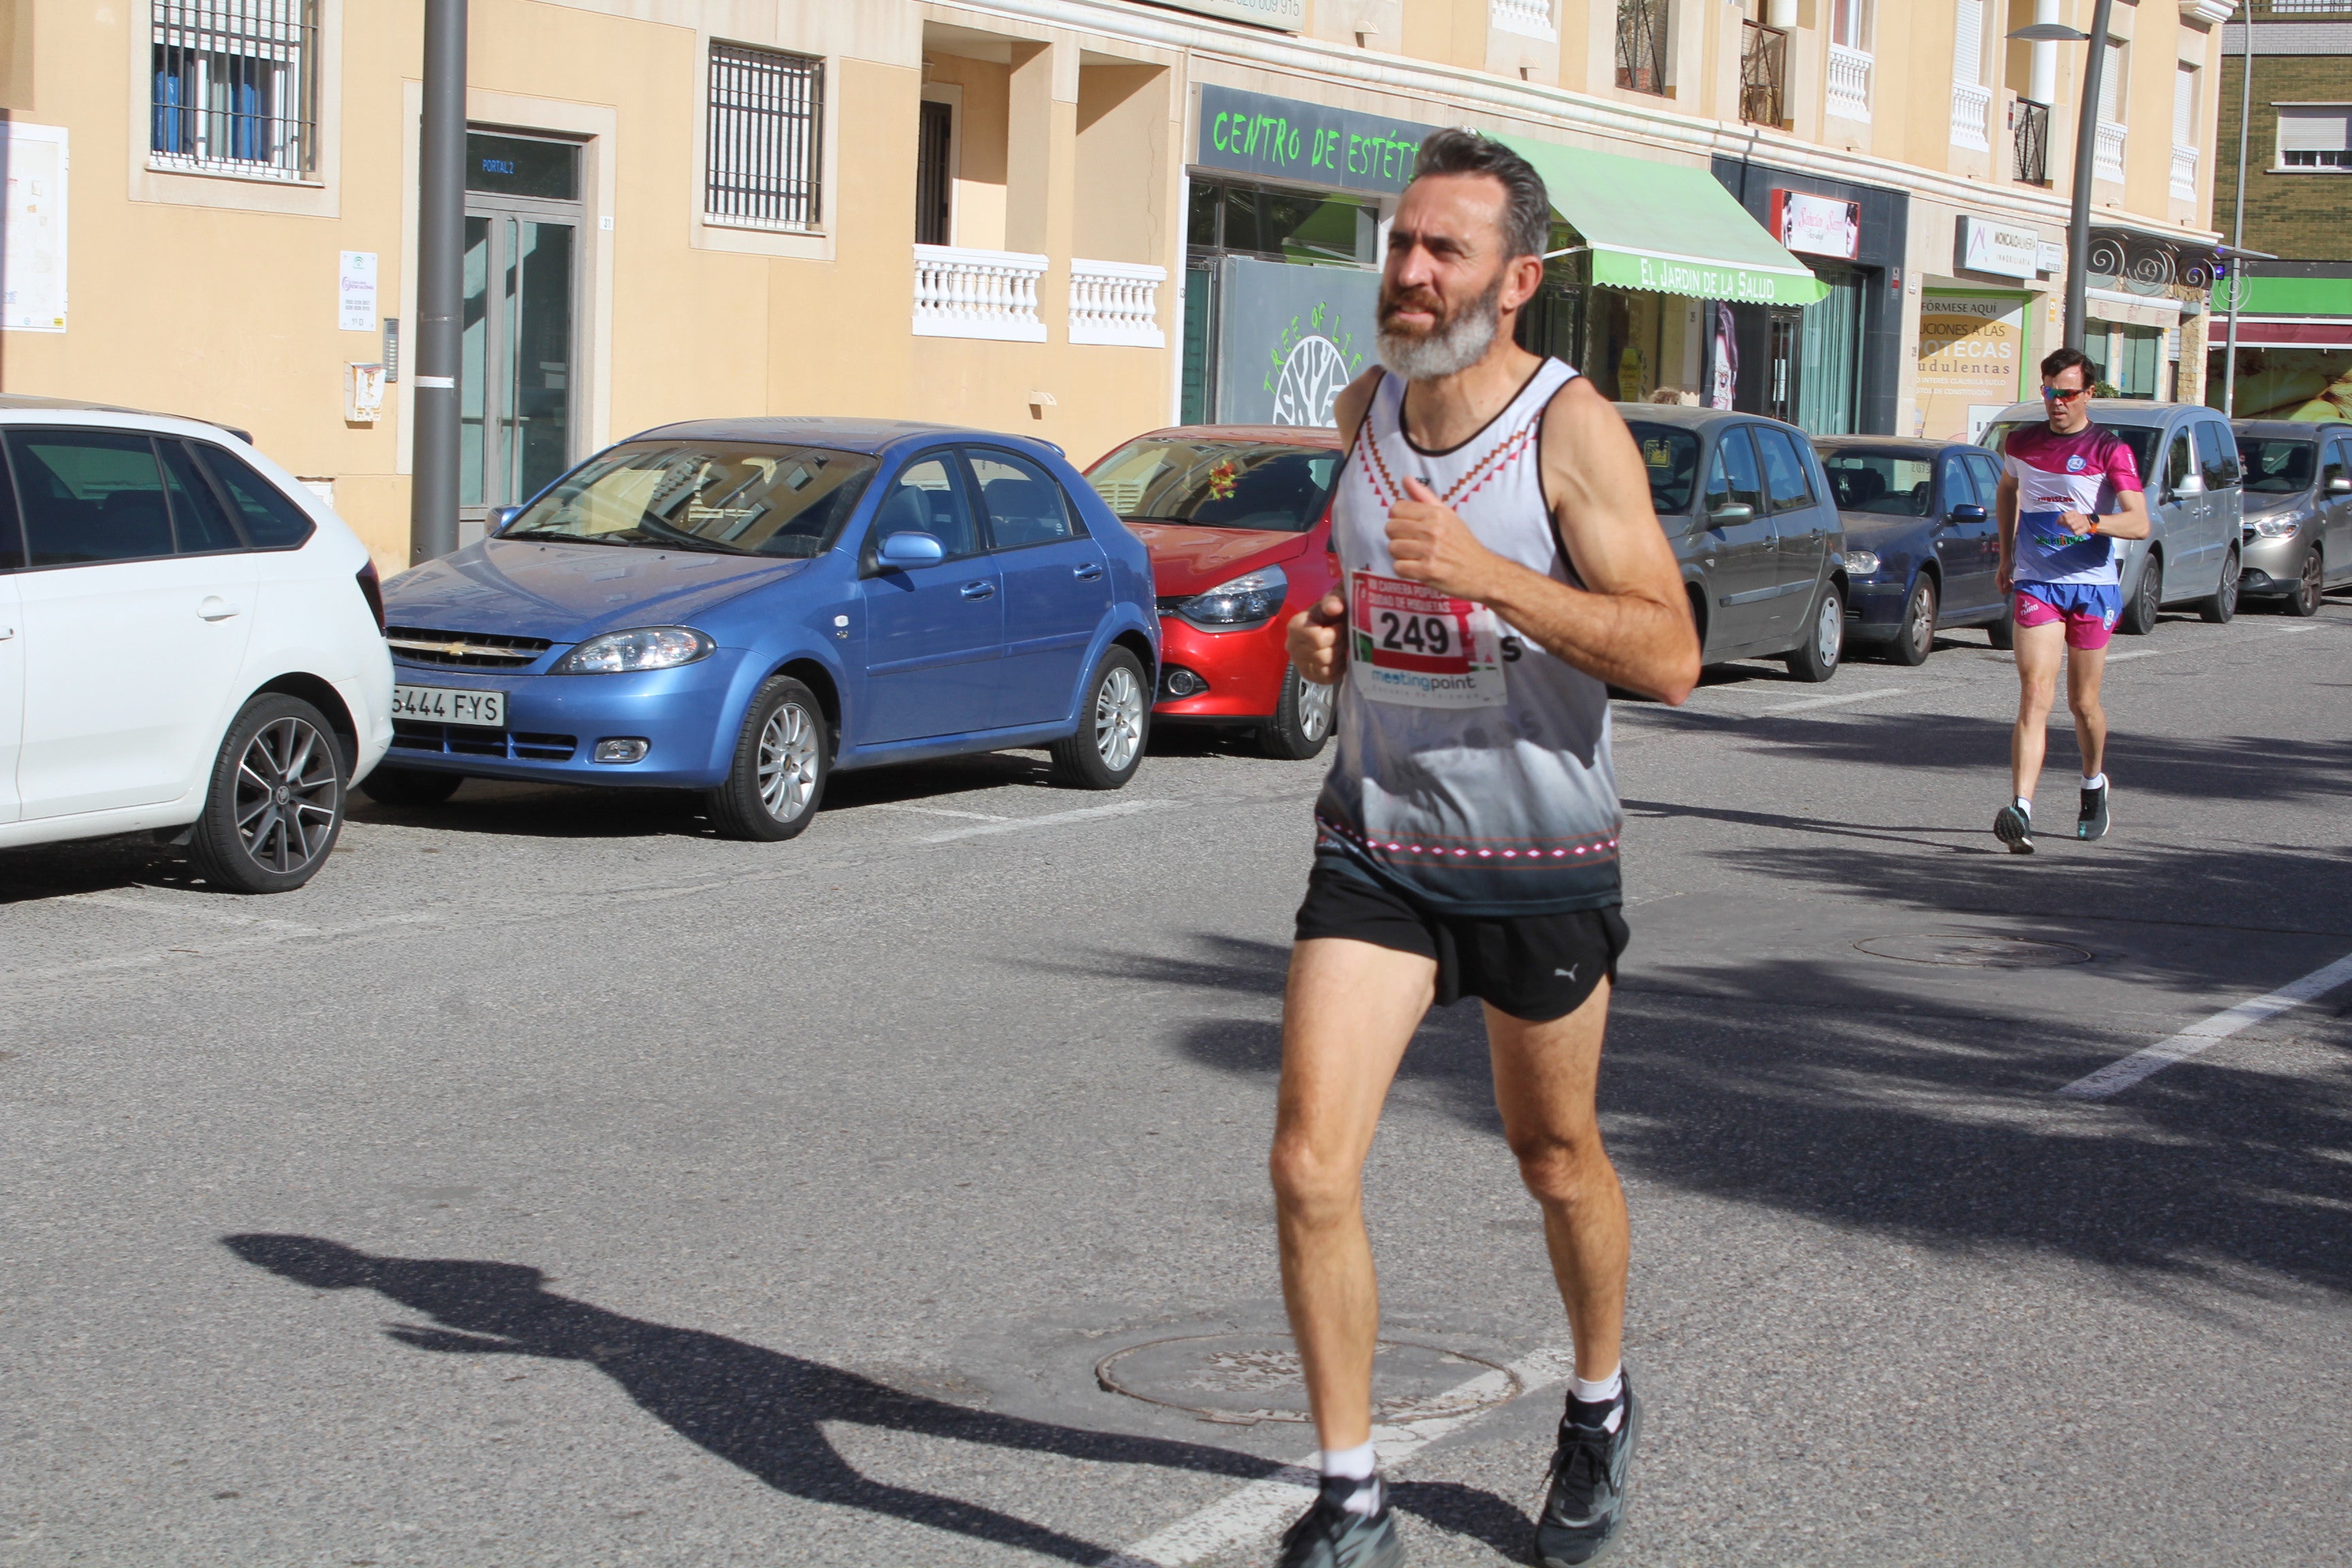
[1317, 647]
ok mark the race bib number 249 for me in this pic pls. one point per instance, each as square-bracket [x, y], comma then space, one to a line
[1416, 645]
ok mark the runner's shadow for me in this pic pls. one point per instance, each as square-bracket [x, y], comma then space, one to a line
[764, 1411]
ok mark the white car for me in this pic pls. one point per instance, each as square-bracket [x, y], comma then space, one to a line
[191, 643]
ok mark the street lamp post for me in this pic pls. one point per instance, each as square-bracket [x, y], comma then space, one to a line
[2086, 155]
[440, 285]
[2238, 225]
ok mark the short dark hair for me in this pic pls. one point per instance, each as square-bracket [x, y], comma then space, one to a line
[2060, 360]
[1526, 206]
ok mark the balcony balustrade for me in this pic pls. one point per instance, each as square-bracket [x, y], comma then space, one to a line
[2184, 173]
[1116, 303]
[1970, 106]
[1849, 83]
[1527, 18]
[2107, 154]
[965, 293]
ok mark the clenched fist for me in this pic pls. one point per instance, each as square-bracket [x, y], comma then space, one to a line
[1430, 543]
[1317, 651]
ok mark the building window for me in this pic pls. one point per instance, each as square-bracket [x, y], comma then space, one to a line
[1642, 45]
[234, 87]
[1849, 24]
[935, 173]
[767, 132]
[2315, 136]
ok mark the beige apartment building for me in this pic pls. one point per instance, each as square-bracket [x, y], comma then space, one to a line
[1075, 218]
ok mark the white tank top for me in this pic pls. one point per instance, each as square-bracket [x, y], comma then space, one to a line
[1472, 768]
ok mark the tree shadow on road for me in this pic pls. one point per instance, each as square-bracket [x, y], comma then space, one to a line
[764, 1411]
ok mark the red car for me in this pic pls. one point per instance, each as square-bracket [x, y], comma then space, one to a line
[1238, 521]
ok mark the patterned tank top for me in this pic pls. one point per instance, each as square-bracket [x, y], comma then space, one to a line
[1472, 769]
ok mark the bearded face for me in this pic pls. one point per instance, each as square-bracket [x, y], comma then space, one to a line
[1423, 336]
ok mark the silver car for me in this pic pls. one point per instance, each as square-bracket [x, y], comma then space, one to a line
[2188, 461]
[2297, 540]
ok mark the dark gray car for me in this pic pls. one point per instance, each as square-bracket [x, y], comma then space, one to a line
[2188, 470]
[1755, 525]
[2298, 538]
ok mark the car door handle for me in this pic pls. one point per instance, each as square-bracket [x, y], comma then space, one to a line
[979, 590]
[7, 632]
[1086, 574]
[216, 609]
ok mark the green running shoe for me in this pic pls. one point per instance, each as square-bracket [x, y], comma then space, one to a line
[1584, 1512]
[2014, 828]
[1329, 1536]
[2093, 822]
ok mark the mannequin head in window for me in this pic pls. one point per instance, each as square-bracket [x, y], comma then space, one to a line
[1465, 253]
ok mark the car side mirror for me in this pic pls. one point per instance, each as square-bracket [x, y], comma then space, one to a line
[496, 519]
[2339, 485]
[1968, 511]
[2190, 485]
[1731, 514]
[905, 550]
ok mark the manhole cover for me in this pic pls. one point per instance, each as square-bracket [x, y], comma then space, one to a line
[1974, 951]
[1248, 1378]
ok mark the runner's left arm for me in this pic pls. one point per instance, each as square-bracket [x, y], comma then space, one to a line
[1630, 624]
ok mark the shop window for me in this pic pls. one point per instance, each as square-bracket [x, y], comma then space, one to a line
[766, 133]
[1285, 226]
[234, 87]
[2315, 136]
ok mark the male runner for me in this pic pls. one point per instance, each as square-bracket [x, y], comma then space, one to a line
[2068, 490]
[1503, 565]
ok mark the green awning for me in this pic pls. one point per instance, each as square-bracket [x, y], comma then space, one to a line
[1669, 228]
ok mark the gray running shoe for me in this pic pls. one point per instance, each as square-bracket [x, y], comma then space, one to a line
[1329, 1536]
[2093, 822]
[2014, 828]
[1584, 1512]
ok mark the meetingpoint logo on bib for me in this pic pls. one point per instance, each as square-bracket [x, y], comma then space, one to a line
[1416, 645]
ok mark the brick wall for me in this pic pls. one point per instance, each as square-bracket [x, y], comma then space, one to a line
[2297, 216]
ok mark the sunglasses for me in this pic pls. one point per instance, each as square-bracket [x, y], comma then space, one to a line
[2052, 394]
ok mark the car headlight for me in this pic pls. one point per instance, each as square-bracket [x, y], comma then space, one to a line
[1250, 600]
[2278, 525]
[1862, 563]
[646, 647]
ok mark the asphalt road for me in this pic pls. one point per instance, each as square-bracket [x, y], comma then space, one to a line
[552, 1183]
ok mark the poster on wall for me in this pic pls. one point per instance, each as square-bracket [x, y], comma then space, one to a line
[1289, 339]
[1817, 225]
[1971, 361]
[2312, 385]
[1725, 385]
[33, 228]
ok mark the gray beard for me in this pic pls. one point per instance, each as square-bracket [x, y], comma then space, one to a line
[1449, 351]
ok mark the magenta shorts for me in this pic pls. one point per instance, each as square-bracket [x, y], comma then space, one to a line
[2089, 609]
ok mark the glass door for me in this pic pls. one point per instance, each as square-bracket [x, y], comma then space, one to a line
[515, 380]
[1829, 355]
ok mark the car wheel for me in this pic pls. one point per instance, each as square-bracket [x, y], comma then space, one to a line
[275, 804]
[409, 786]
[2305, 600]
[1113, 724]
[782, 759]
[1915, 639]
[2139, 618]
[2001, 634]
[2224, 603]
[1302, 719]
[1816, 658]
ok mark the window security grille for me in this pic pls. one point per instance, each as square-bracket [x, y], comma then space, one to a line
[2029, 134]
[1642, 45]
[1763, 74]
[234, 87]
[767, 128]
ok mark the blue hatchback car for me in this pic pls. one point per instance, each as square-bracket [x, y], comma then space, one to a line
[740, 606]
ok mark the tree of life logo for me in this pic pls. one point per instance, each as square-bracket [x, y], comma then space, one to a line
[1310, 367]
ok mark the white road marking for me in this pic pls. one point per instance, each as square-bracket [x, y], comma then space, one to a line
[2209, 648]
[152, 957]
[1052, 819]
[1843, 697]
[189, 911]
[942, 811]
[1263, 1506]
[2117, 1076]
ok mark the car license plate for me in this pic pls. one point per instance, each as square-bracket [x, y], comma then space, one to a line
[447, 705]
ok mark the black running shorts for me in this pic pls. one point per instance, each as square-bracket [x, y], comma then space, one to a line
[1534, 967]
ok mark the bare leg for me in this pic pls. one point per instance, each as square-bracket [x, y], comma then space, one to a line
[1350, 1013]
[2040, 650]
[1545, 1074]
[2084, 668]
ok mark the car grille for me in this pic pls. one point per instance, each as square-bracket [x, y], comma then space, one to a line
[467, 741]
[464, 650]
[1169, 602]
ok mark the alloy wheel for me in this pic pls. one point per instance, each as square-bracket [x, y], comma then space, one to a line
[289, 795]
[1923, 625]
[1829, 630]
[1316, 705]
[2307, 584]
[1118, 718]
[788, 759]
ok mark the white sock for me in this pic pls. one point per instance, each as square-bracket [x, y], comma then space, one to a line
[1356, 1464]
[2098, 783]
[2024, 806]
[1604, 1392]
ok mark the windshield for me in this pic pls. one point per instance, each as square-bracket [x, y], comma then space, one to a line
[1218, 484]
[1669, 456]
[2140, 438]
[736, 497]
[1884, 484]
[2278, 465]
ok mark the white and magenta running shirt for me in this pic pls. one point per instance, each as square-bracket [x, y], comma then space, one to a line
[2083, 472]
